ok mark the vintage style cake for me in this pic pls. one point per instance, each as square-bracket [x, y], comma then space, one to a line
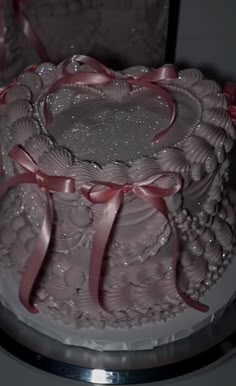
[116, 226]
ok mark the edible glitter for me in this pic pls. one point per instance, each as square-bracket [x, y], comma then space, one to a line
[100, 129]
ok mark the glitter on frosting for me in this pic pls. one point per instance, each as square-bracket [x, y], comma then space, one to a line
[48, 73]
[197, 149]
[38, 145]
[33, 81]
[17, 110]
[57, 161]
[106, 135]
[23, 129]
[18, 92]
[189, 77]
[117, 89]
[205, 87]
[172, 160]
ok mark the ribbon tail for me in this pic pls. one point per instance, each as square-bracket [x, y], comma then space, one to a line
[165, 94]
[191, 302]
[32, 36]
[159, 204]
[35, 262]
[156, 202]
[165, 72]
[24, 178]
[99, 67]
[100, 243]
[187, 299]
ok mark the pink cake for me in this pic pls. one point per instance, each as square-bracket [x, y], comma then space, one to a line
[139, 225]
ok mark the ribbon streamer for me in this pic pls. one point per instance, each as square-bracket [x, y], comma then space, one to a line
[152, 80]
[98, 192]
[48, 184]
[112, 195]
[27, 29]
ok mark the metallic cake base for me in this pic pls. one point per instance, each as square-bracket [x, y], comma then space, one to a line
[167, 361]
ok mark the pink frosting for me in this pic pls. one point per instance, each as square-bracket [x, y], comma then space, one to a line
[138, 282]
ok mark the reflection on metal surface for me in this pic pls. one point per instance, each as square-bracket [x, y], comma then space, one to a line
[125, 367]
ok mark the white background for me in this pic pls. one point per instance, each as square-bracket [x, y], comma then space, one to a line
[206, 39]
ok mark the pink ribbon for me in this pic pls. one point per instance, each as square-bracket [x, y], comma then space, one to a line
[230, 93]
[48, 184]
[112, 195]
[98, 192]
[28, 30]
[152, 80]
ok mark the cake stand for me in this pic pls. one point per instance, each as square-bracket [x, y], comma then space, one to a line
[125, 367]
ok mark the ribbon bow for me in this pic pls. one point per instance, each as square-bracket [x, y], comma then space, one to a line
[27, 29]
[48, 184]
[112, 195]
[152, 80]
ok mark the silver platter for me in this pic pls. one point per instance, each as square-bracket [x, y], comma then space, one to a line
[125, 367]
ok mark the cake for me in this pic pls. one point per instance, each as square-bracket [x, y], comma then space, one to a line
[117, 226]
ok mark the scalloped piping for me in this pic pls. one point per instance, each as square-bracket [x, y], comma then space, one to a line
[182, 89]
